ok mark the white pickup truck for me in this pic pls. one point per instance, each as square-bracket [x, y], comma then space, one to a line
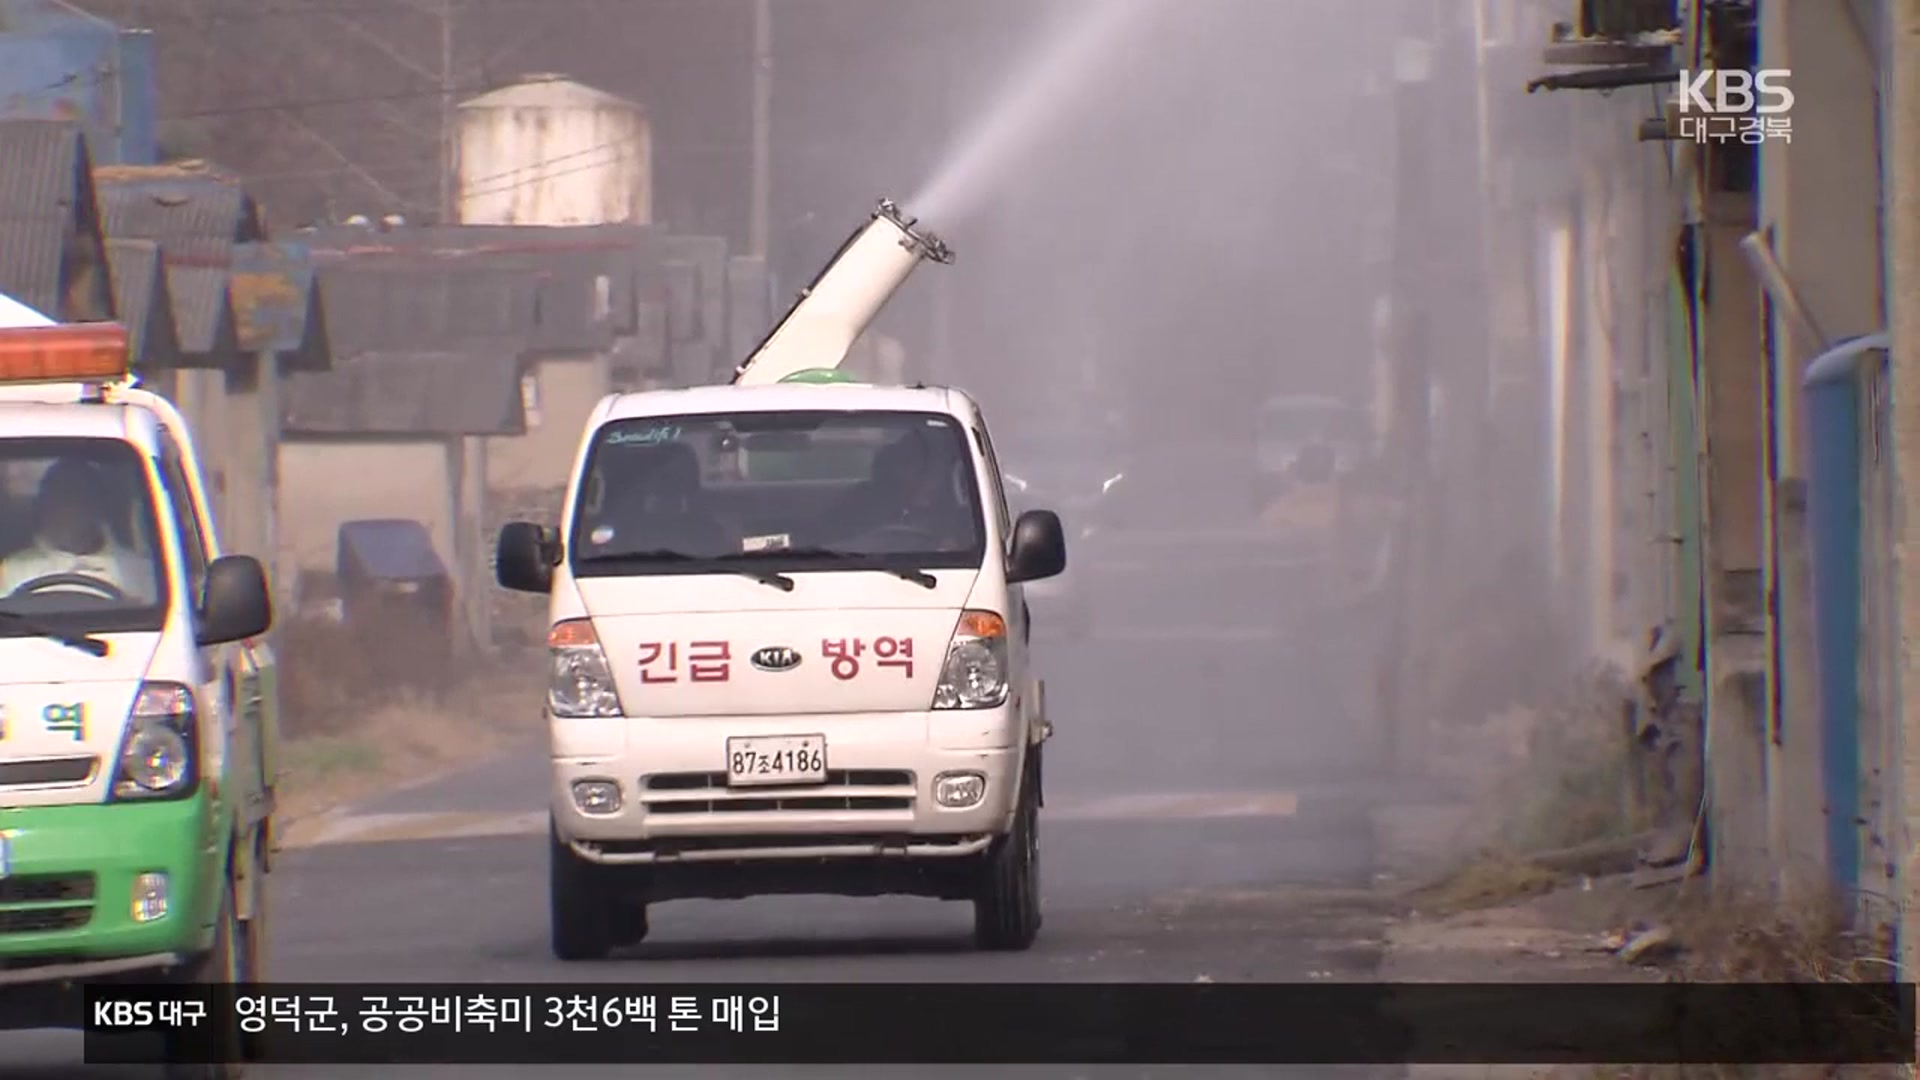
[788, 641]
[789, 654]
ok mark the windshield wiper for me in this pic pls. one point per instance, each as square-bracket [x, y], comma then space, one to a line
[908, 573]
[905, 573]
[86, 643]
[764, 577]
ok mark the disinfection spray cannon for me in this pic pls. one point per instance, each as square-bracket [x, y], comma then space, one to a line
[836, 307]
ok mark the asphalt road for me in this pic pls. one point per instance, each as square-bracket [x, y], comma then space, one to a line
[1207, 819]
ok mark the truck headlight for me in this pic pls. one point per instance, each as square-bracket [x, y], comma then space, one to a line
[975, 673]
[156, 758]
[579, 680]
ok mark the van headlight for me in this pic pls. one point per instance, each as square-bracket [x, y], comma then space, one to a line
[579, 680]
[975, 673]
[157, 759]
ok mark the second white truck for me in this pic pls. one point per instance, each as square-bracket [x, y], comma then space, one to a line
[788, 641]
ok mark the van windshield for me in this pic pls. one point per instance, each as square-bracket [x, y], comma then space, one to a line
[779, 491]
[78, 547]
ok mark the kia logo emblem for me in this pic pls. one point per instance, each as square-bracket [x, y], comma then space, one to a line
[776, 658]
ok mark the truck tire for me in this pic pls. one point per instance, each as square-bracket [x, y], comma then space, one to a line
[630, 924]
[1006, 907]
[581, 913]
[227, 961]
[254, 933]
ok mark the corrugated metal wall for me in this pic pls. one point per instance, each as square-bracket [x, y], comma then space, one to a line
[74, 68]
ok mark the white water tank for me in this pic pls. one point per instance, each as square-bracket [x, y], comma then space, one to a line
[551, 151]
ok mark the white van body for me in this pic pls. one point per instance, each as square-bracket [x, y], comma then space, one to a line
[37, 667]
[133, 728]
[717, 671]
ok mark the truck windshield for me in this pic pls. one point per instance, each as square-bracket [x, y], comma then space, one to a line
[778, 491]
[78, 548]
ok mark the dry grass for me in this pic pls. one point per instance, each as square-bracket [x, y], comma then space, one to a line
[350, 730]
[1741, 1072]
[332, 676]
[1577, 788]
[1492, 879]
[1726, 939]
[1559, 783]
[1732, 940]
[1557, 779]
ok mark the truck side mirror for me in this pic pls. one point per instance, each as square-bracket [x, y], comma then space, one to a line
[235, 603]
[525, 557]
[1039, 547]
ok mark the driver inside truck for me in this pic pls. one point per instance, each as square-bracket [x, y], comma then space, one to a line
[73, 538]
[659, 504]
[910, 498]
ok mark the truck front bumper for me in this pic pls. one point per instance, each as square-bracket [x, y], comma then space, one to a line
[69, 880]
[883, 771]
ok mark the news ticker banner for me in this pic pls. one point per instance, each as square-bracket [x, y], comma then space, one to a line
[987, 1023]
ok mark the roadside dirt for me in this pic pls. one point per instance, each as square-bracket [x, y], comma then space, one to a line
[347, 733]
[1519, 865]
[1500, 919]
[404, 742]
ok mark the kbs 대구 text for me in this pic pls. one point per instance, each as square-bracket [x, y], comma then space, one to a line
[1005, 1023]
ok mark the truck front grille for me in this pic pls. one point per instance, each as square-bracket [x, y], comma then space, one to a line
[870, 790]
[41, 920]
[37, 903]
[47, 889]
[67, 770]
[683, 781]
[683, 844]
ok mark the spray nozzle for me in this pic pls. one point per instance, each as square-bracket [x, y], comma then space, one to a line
[924, 244]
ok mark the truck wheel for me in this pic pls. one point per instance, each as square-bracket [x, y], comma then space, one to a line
[1006, 909]
[228, 961]
[630, 925]
[253, 933]
[580, 912]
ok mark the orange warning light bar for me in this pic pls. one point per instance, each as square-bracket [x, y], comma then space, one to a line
[88, 352]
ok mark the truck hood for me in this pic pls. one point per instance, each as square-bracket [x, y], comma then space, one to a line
[46, 758]
[725, 645]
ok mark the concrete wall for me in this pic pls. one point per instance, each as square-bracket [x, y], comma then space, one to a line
[334, 482]
[250, 425]
[567, 390]
[1733, 403]
[201, 398]
[1674, 450]
[1819, 197]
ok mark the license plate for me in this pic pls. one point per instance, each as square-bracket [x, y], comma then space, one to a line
[777, 759]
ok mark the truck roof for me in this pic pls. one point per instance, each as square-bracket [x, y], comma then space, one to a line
[787, 397]
[42, 419]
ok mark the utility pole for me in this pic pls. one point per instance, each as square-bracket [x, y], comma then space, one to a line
[449, 209]
[1401, 730]
[762, 127]
[1901, 174]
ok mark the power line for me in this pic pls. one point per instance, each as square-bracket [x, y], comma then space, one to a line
[611, 144]
[491, 184]
[480, 186]
[683, 60]
[296, 11]
[298, 105]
